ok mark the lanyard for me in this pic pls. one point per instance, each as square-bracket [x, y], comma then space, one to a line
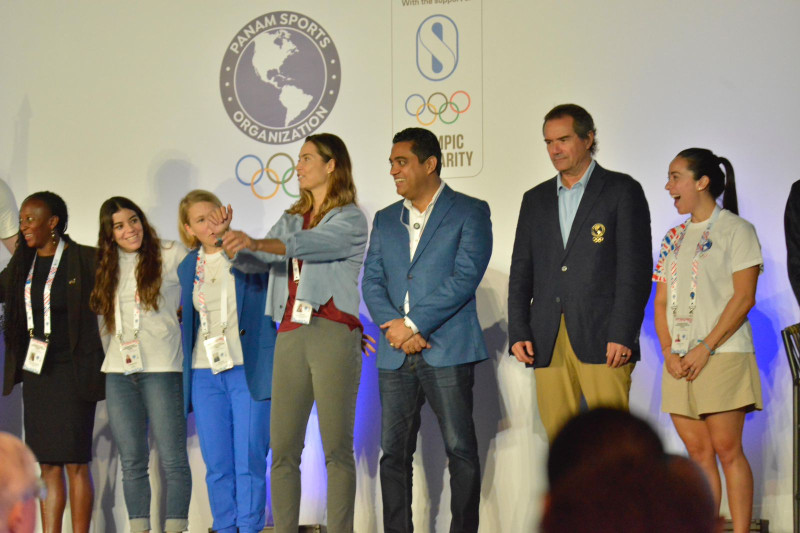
[136, 314]
[48, 285]
[703, 245]
[199, 281]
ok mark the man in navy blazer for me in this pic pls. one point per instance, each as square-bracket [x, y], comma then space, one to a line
[427, 255]
[581, 264]
[791, 226]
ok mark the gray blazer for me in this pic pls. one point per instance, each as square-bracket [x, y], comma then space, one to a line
[332, 254]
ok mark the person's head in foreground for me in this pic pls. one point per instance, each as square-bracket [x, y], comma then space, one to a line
[19, 486]
[608, 473]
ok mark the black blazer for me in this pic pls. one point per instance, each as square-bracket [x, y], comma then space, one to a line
[600, 281]
[791, 226]
[84, 336]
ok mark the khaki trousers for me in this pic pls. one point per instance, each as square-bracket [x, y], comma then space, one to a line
[559, 386]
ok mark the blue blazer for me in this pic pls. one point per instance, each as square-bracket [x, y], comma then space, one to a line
[441, 279]
[256, 330]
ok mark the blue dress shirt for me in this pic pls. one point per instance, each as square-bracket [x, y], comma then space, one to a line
[569, 200]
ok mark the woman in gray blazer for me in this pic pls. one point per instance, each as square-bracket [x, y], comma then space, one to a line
[314, 254]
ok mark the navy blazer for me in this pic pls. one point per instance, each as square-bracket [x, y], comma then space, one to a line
[791, 226]
[441, 280]
[600, 281]
[256, 329]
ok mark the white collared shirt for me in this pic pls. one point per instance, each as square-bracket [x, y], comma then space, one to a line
[417, 220]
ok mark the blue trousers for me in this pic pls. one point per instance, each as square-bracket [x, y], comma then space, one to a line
[154, 399]
[449, 391]
[234, 438]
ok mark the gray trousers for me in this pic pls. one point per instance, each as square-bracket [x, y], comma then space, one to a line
[319, 361]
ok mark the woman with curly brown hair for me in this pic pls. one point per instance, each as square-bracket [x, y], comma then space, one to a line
[53, 347]
[137, 294]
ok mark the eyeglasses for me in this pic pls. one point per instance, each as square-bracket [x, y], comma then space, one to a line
[39, 490]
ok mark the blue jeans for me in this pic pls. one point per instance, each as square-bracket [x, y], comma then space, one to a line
[234, 437]
[132, 402]
[449, 391]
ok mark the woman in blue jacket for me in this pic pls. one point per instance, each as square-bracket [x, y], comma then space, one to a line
[228, 344]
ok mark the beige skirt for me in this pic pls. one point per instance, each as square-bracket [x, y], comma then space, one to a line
[729, 381]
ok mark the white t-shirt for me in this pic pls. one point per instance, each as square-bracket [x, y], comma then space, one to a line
[159, 331]
[734, 247]
[218, 272]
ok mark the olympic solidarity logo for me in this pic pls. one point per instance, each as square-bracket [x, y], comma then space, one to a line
[279, 177]
[447, 111]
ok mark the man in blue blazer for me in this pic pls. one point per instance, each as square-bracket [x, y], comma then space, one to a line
[427, 255]
[581, 264]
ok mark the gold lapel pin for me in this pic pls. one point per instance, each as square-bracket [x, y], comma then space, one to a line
[598, 230]
[72, 281]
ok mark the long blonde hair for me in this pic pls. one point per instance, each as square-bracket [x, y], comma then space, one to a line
[341, 189]
[193, 197]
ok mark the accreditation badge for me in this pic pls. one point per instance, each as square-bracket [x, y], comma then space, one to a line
[218, 355]
[131, 357]
[301, 312]
[34, 359]
[681, 328]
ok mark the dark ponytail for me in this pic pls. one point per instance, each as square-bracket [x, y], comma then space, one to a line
[729, 200]
[703, 162]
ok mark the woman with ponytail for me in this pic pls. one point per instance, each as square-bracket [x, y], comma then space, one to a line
[53, 347]
[706, 278]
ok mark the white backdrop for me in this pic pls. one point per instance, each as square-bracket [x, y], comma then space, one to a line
[102, 99]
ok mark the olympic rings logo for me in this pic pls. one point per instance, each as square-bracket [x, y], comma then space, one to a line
[446, 109]
[279, 179]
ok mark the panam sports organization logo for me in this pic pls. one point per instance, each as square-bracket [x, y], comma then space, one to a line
[280, 77]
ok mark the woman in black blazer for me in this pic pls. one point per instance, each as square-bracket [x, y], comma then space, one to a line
[62, 382]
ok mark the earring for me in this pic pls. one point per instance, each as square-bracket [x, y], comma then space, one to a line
[53, 236]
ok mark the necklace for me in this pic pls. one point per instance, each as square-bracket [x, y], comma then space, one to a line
[214, 274]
